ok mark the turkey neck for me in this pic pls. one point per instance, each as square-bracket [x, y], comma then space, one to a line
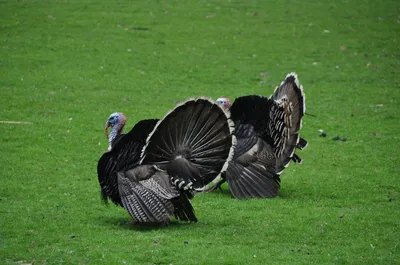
[115, 131]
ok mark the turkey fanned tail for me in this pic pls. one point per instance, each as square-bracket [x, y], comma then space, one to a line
[192, 143]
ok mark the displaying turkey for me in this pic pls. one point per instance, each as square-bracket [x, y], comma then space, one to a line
[267, 131]
[155, 169]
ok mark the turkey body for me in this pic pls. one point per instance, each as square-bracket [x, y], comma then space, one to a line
[267, 137]
[124, 155]
[154, 170]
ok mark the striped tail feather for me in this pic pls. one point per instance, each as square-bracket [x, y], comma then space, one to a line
[292, 91]
[193, 142]
[149, 197]
[290, 108]
[144, 205]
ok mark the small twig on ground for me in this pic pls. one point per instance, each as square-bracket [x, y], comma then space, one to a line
[16, 122]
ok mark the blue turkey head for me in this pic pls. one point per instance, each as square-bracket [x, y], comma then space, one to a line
[224, 102]
[117, 122]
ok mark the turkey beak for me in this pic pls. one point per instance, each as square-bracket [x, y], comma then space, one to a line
[108, 124]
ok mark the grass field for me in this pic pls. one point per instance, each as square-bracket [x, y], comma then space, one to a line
[66, 65]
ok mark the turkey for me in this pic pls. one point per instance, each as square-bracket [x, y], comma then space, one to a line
[267, 132]
[155, 169]
[123, 153]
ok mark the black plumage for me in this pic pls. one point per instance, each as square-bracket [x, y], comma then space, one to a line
[124, 155]
[267, 136]
[183, 152]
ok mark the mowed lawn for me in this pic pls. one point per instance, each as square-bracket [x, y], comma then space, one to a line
[66, 65]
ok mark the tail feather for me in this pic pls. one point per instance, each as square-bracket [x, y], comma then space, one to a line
[290, 99]
[183, 169]
[193, 142]
[297, 159]
[183, 209]
[302, 143]
[143, 204]
[292, 90]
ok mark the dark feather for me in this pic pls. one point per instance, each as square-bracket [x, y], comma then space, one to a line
[301, 144]
[124, 155]
[183, 209]
[252, 173]
[252, 110]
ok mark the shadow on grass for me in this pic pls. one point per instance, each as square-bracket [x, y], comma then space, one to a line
[127, 223]
[223, 192]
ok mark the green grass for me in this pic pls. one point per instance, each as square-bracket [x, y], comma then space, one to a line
[65, 66]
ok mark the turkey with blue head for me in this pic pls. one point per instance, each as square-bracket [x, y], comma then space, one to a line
[123, 153]
[267, 132]
[154, 170]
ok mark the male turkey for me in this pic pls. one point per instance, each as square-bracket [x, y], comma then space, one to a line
[267, 137]
[154, 170]
[123, 153]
